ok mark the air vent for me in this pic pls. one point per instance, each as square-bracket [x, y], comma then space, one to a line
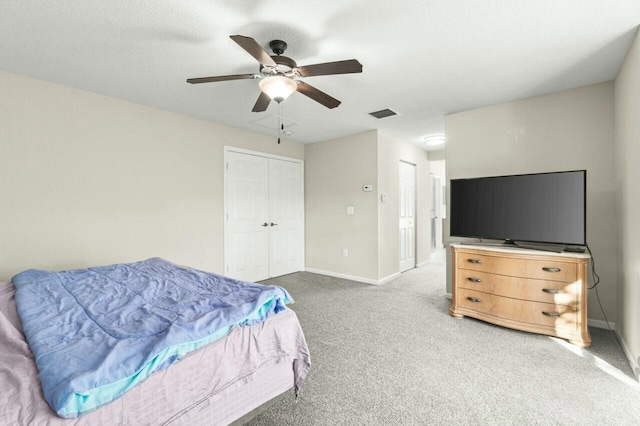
[383, 113]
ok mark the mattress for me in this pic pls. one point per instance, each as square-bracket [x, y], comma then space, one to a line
[97, 332]
[215, 384]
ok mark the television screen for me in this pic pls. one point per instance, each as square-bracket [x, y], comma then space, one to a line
[543, 207]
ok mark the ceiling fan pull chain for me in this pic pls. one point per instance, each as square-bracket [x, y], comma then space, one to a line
[280, 123]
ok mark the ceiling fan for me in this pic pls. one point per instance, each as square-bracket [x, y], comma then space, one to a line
[280, 76]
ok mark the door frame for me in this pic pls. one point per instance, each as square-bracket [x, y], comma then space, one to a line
[227, 150]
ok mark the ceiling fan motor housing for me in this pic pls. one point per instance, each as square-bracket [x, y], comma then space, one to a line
[285, 66]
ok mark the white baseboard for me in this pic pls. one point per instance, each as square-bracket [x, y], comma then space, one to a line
[389, 278]
[632, 361]
[448, 296]
[348, 277]
[601, 324]
[422, 263]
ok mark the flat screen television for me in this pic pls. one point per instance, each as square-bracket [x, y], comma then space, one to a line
[541, 208]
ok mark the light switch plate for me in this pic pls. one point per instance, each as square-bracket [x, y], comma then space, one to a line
[367, 188]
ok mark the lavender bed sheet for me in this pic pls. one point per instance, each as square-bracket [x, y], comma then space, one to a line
[164, 397]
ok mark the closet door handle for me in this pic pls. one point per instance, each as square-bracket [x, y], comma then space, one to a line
[548, 269]
[474, 299]
[274, 224]
[551, 290]
[265, 224]
[551, 314]
[474, 260]
[474, 280]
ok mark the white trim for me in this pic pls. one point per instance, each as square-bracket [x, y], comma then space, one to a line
[261, 154]
[448, 296]
[345, 276]
[632, 362]
[423, 263]
[389, 278]
[601, 324]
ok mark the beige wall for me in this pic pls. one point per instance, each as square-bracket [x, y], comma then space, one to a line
[390, 152]
[87, 180]
[335, 172]
[436, 155]
[627, 165]
[568, 130]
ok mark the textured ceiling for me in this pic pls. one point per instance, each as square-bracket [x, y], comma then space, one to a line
[421, 58]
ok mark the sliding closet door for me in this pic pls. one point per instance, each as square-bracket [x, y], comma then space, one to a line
[264, 218]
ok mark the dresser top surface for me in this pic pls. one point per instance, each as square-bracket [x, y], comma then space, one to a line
[518, 250]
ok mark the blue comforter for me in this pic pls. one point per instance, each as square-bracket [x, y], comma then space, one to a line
[98, 332]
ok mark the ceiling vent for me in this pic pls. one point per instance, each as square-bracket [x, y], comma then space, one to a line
[383, 113]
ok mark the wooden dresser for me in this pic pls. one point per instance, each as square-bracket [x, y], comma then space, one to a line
[536, 291]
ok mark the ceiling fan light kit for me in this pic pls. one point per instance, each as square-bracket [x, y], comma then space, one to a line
[278, 88]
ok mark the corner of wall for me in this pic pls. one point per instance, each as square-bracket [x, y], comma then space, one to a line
[627, 182]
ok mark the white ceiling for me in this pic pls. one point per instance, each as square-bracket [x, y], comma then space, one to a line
[421, 58]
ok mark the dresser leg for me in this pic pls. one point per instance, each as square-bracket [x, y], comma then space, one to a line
[456, 315]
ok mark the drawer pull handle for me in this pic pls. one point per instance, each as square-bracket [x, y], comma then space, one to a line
[474, 280]
[551, 314]
[551, 290]
[474, 299]
[475, 260]
[551, 269]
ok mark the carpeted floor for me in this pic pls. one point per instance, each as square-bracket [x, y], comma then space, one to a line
[392, 355]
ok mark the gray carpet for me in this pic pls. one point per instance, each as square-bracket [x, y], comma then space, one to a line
[391, 354]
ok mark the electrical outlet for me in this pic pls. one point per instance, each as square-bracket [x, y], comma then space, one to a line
[345, 252]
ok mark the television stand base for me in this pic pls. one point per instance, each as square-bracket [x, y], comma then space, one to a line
[575, 249]
[539, 248]
[510, 244]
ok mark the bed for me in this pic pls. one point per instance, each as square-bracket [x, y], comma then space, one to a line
[217, 383]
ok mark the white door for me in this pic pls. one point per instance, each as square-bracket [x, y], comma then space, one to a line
[407, 216]
[436, 212]
[264, 224]
[285, 217]
[247, 230]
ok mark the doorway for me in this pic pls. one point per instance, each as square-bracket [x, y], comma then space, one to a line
[264, 215]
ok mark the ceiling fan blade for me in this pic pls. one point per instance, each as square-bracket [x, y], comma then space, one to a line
[254, 49]
[262, 103]
[220, 78]
[317, 95]
[339, 67]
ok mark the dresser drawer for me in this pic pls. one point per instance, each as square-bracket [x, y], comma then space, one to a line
[523, 311]
[518, 267]
[555, 292]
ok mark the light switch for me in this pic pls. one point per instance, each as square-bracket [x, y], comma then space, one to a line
[367, 188]
[351, 210]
